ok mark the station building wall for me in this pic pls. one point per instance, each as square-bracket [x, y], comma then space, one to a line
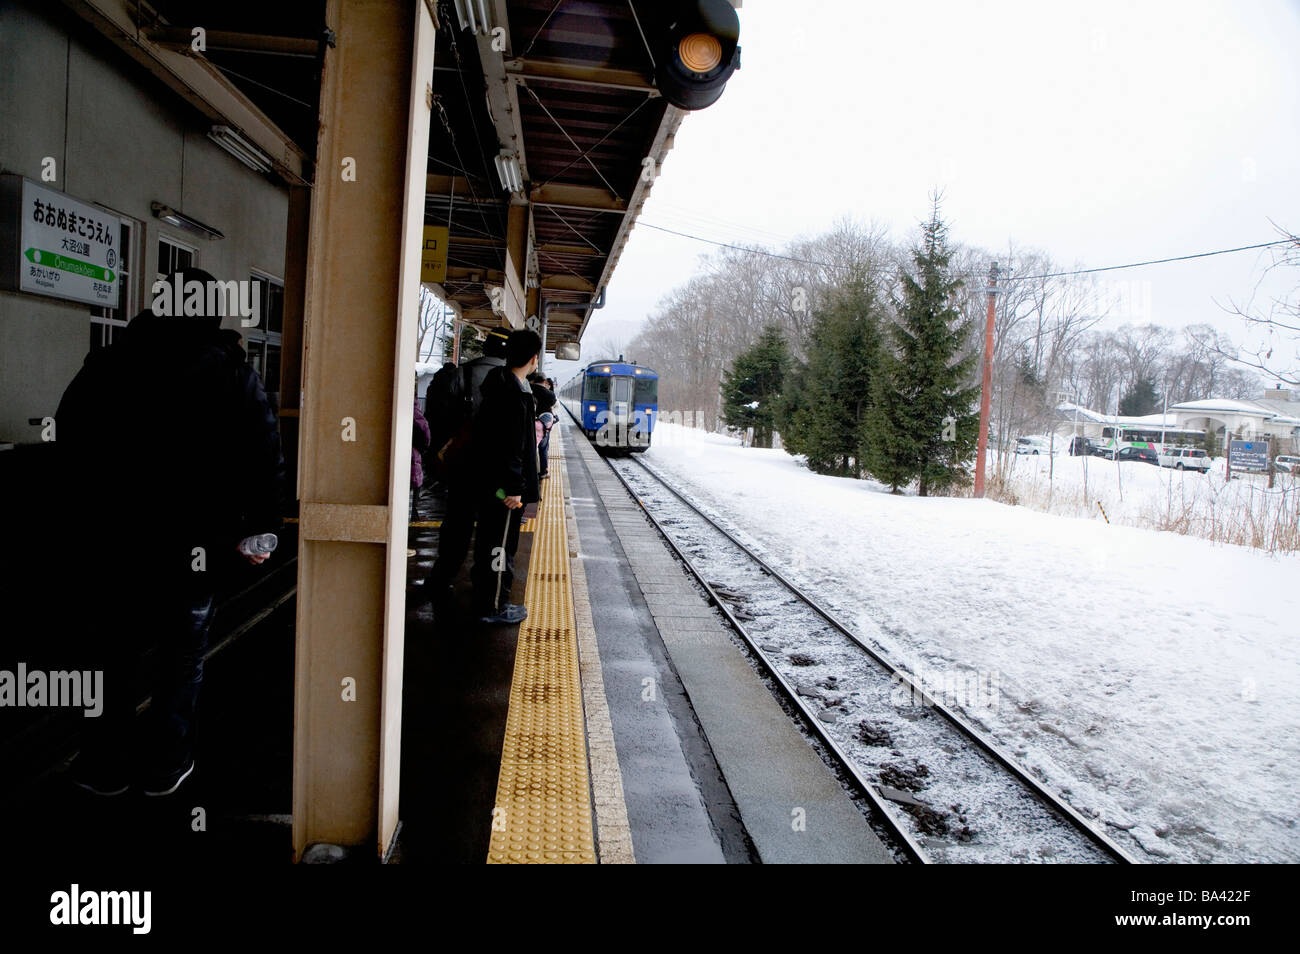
[121, 140]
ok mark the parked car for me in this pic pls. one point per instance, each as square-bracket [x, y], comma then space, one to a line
[1146, 455]
[1033, 445]
[1185, 458]
[1081, 447]
[1287, 463]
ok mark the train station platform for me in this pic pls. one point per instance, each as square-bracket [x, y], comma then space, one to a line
[620, 723]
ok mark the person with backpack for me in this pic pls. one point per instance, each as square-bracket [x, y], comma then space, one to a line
[175, 414]
[503, 456]
[450, 403]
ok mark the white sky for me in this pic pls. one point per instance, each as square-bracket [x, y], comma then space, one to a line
[1102, 133]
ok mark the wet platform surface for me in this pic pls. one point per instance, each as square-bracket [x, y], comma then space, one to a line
[691, 759]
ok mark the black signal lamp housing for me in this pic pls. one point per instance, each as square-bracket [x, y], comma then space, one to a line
[700, 51]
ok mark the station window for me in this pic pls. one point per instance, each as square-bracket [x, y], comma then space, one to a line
[172, 255]
[104, 322]
[262, 342]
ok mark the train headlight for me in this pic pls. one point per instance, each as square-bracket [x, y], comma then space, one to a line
[592, 408]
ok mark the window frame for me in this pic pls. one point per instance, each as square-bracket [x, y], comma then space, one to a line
[261, 336]
[175, 243]
[104, 321]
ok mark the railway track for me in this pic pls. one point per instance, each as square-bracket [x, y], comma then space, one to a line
[944, 790]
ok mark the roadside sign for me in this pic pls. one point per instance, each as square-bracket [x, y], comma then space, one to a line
[1250, 455]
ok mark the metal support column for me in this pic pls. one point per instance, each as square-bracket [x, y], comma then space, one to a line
[363, 273]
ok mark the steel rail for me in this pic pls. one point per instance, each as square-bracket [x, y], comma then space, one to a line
[907, 843]
[986, 744]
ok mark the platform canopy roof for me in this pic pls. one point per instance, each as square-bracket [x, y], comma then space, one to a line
[564, 88]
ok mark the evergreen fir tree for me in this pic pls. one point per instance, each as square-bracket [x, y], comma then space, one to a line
[832, 392]
[751, 390]
[924, 425]
[1141, 399]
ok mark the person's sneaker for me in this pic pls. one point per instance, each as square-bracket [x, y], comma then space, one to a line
[166, 783]
[509, 615]
[105, 780]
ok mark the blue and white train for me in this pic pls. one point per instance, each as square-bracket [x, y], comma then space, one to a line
[615, 403]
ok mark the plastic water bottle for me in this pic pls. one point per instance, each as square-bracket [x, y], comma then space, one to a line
[259, 544]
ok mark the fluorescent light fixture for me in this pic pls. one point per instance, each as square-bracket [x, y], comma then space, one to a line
[165, 213]
[473, 15]
[239, 147]
[507, 164]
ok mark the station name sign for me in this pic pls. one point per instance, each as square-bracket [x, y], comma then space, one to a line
[52, 244]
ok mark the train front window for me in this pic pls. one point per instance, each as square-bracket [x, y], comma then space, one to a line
[622, 389]
[646, 391]
[597, 388]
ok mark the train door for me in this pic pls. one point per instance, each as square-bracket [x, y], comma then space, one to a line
[620, 401]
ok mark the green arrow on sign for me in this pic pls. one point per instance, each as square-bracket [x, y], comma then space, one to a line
[39, 256]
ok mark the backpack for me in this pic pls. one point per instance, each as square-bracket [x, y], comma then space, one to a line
[449, 410]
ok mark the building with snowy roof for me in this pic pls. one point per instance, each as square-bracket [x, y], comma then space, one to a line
[1275, 416]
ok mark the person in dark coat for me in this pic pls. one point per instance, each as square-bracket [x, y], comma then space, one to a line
[503, 456]
[174, 418]
[444, 404]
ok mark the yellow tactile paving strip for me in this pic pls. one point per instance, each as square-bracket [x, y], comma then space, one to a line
[542, 813]
[614, 834]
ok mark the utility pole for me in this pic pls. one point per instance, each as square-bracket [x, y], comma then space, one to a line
[986, 389]
[1227, 446]
[1164, 417]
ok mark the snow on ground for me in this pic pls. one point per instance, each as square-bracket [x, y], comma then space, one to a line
[1154, 678]
[1157, 498]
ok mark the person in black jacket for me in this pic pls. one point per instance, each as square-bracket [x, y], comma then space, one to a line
[454, 395]
[175, 420]
[503, 455]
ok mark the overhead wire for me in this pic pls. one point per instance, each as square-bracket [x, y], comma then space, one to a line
[1006, 278]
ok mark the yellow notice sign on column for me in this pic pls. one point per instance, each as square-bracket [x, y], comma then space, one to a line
[433, 254]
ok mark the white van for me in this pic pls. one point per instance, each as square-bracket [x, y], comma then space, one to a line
[1185, 458]
[1288, 463]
